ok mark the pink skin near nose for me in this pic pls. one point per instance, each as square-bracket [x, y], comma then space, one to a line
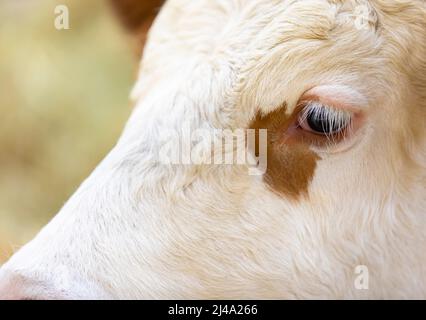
[14, 286]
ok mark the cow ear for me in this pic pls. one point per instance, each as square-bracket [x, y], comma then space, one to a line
[137, 15]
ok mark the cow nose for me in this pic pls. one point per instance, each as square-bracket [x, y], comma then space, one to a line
[11, 286]
[14, 286]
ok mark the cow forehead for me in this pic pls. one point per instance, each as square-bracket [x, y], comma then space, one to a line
[252, 39]
[211, 26]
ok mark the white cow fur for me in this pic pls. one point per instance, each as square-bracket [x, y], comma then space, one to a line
[140, 229]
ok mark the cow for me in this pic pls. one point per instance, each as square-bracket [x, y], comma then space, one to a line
[333, 95]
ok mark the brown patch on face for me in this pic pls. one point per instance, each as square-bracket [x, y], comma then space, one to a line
[137, 15]
[291, 164]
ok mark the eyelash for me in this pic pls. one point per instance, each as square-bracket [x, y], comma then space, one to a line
[334, 118]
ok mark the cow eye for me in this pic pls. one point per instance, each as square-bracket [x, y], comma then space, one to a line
[323, 120]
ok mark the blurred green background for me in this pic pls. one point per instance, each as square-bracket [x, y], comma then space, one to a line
[63, 103]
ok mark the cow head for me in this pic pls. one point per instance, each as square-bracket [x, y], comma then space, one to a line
[333, 96]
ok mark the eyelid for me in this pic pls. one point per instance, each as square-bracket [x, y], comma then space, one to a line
[318, 106]
[336, 96]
